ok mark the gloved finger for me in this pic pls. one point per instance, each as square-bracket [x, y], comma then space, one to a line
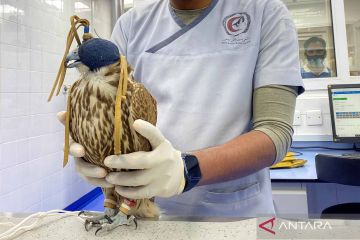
[130, 179]
[76, 149]
[89, 170]
[135, 192]
[99, 182]
[61, 116]
[149, 131]
[135, 160]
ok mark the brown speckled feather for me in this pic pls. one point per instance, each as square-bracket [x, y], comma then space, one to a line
[92, 121]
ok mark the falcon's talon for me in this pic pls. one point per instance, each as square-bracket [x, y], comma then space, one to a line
[108, 221]
[135, 221]
[87, 224]
[97, 230]
[113, 222]
[93, 219]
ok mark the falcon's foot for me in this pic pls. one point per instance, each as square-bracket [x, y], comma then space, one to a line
[106, 222]
[95, 219]
[119, 220]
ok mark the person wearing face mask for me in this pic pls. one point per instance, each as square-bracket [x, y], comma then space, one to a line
[315, 53]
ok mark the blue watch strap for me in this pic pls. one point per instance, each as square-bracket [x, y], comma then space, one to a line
[192, 172]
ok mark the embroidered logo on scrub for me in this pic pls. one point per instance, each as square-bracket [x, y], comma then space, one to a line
[237, 23]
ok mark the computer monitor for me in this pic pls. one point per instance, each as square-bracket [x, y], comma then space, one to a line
[345, 112]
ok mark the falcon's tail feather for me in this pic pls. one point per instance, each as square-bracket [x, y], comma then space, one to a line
[146, 208]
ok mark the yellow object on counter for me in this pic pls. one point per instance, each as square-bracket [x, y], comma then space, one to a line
[290, 161]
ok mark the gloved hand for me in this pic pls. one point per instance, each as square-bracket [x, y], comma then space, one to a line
[95, 175]
[160, 172]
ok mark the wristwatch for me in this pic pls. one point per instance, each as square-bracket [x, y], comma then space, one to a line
[192, 172]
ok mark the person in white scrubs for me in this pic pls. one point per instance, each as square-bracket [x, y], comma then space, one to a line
[225, 75]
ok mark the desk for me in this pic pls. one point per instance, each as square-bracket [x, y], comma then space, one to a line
[297, 191]
[305, 173]
[302, 174]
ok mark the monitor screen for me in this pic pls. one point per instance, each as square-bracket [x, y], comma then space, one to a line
[345, 112]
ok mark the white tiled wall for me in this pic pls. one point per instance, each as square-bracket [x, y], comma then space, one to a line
[32, 38]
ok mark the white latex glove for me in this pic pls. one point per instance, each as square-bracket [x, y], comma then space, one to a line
[95, 175]
[160, 172]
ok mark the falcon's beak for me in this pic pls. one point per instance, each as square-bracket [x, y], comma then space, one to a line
[72, 60]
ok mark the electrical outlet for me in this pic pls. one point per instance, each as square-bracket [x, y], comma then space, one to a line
[297, 118]
[314, 117]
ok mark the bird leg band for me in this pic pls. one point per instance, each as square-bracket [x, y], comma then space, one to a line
[126, 205]
[110, 203]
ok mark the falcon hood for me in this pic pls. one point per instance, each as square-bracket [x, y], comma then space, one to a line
[94, 53]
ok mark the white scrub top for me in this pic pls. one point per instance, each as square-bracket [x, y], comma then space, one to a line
[203, 76]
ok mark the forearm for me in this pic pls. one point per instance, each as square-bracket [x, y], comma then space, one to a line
[238, 158]
[273, 110]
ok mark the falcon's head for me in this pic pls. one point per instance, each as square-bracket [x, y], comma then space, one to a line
[92, 55]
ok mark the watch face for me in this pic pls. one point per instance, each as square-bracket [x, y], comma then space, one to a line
[190, 161]
[192, 168]
[192, 172]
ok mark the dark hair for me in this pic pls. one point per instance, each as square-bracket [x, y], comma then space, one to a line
[314, 40]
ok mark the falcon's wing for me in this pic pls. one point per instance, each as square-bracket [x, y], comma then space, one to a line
[143, 104]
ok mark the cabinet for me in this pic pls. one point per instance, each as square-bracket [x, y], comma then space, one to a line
[290, 199]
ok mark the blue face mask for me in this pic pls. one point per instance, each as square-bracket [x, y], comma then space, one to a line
[316, 61]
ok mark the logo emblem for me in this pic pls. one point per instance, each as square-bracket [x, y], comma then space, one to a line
[264, 227]
[237, 23]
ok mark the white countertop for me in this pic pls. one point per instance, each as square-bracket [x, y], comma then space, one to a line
[73, 228]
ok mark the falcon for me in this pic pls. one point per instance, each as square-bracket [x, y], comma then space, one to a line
[101, 109]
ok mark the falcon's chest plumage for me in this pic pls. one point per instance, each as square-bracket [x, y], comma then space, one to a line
[93, 109]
